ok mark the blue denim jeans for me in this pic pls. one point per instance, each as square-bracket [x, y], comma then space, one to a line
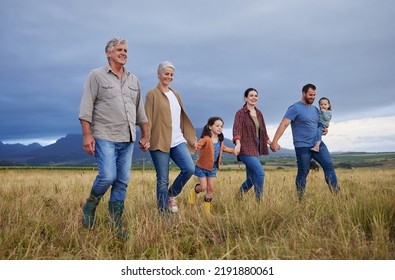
[182, 158]
[114, 161]
[255, 175]
[323, 157]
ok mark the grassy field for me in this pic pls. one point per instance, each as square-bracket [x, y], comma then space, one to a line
[40, 218]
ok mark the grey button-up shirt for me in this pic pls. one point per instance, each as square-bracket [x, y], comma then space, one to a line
[112, 106]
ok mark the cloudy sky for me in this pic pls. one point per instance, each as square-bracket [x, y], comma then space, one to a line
[219, 48]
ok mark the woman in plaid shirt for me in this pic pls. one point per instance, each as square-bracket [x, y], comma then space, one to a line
[251, 140]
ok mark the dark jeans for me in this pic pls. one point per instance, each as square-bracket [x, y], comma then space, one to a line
[323, 157]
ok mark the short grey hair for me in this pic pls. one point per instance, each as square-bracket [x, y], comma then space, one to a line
[115, 42]
[165, 64]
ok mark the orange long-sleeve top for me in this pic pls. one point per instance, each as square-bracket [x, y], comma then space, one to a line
[206, 156]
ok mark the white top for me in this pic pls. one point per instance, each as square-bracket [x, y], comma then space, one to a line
[176, 134]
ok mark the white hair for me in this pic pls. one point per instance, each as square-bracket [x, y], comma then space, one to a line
[165, 64]
[115, 42]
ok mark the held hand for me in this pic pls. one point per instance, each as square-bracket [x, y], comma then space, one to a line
[275, 147]
[88, 143]
[144, 147]
[237, 150]
[325, 131]
[144, 144]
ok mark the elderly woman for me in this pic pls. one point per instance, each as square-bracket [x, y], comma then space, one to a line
[172, 136]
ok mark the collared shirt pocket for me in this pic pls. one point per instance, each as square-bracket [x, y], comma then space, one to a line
[133, 94]
[108, 91]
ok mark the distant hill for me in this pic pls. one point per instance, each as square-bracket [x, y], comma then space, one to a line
[10, 150]
[68, 151]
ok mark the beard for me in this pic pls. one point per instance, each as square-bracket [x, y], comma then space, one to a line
[308, 100]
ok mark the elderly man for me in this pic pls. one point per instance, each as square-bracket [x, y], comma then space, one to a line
[111, 107]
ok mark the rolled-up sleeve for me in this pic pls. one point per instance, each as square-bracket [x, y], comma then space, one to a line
[141, 116]
[88, 98]
[237, 127]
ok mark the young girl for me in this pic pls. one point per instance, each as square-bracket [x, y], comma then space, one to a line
[325, 113]
[211, 146]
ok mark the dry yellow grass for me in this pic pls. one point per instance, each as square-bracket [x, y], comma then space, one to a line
[40, 218]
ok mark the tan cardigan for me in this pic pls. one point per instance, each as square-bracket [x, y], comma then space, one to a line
[206, 155]
[157, 108]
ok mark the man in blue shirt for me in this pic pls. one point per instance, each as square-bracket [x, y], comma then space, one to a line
[303, 117]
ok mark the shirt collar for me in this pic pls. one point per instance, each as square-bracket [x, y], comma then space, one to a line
[108, 69]
[245, 109]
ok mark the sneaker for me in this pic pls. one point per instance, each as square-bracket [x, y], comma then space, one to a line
[173, 204]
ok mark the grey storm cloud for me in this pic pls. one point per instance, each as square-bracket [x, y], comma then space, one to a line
[346, 48]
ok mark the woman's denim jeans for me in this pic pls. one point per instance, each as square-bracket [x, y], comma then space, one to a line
[323, 157]
[182, 158]
[114, 161]
[255, 175]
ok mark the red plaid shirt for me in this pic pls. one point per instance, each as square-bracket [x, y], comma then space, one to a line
[244, 129]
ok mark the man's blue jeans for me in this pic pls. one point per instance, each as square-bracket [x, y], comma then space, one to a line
[323, 157]
[255, 175]
[114, 161]
[182, 158]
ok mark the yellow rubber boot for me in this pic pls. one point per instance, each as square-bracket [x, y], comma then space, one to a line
[207, 209]
[192, 196]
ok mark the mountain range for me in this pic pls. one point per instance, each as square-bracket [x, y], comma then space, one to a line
[68, 151]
